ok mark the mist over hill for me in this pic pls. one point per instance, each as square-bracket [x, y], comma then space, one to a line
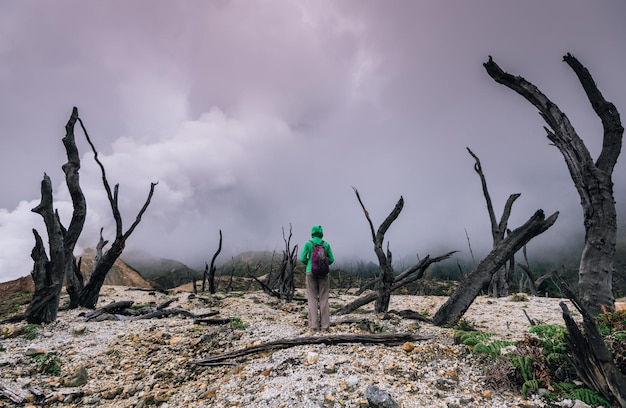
[163, 273]
[160, 272]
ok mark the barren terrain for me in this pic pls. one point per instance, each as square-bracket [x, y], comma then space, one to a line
[107, 362]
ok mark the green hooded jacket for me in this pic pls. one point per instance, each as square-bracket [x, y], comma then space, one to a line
[316, 237]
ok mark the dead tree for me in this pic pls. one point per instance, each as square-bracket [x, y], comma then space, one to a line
[407, 276]
[527, 278]
[87, 295]
[591, 358]
[593, 180]
[500, 282]
[209, 273]
[462, 298]
[284, 280]
[232, 273]
[49, 275]
[384, 259]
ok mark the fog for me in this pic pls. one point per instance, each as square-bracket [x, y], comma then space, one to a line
[258, 117]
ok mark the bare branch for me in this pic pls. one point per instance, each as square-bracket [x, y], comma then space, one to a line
[367, 214]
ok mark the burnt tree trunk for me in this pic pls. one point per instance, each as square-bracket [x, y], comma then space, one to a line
[462, 298]
[591, 358]
[500, 281]
[48, 275]
[286, 284]
[384, 259]
[209, 272]
[89, 294]
[593, 181]
[79, 214]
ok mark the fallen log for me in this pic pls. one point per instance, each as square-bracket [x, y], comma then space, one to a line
[385, 339]
[13, 319]
[412, 315]
[213, 322]
[164, 291]
[110, 308]
[122, 308]
[157, 314]
[273, 293]
[13, 392]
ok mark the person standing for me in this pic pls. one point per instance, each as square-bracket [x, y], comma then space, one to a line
[317, 285]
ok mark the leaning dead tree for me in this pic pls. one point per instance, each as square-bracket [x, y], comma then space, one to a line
[500, 282]
[384, 258]
[462, 298]
[87, 293]
[593, 180]
[209, 273]
[49, 274]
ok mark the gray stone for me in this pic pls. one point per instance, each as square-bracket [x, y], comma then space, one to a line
[78, 378]
[378, 398]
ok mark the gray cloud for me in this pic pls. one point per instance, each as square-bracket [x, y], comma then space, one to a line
[255, 116]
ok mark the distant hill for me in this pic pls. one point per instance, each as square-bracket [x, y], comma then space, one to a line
[160, 272]
[120, 275]
[255, 262]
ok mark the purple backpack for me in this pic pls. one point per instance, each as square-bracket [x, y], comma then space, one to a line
[319, 260]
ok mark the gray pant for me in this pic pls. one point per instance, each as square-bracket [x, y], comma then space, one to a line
[317, 295]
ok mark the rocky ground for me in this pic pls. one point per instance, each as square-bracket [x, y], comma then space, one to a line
[134, 363]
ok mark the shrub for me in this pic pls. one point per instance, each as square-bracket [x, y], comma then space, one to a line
[48, 363]
[30, 331]
[237, 323]
[464, 325]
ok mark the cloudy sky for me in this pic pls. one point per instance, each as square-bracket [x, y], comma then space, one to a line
[256, 115]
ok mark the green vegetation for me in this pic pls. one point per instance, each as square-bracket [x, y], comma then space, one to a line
[525, 366]
[30, 331]
[238, 324]
[376, 328]
[568, 390]
[481, 343]
[48, 363]
[538, 358]
[612, 325]
[13, 304]
[141, 306]
[612, 322]
[464, 325]
[519, 297]
[492, 348]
